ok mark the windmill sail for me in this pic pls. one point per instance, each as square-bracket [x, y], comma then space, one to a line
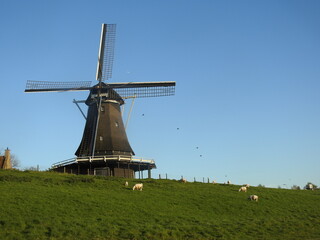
[144, 89]
[43, 86]
[106, 52]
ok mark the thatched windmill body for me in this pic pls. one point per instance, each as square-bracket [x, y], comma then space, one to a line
[104, 148]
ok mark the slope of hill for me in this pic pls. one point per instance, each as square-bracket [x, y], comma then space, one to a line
[45, 205]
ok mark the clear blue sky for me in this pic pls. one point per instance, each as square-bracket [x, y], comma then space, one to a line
[247, 99]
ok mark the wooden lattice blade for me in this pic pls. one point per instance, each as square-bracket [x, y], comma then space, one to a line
[106, 52]
[44, 86]
[141, 84]
[144, 89]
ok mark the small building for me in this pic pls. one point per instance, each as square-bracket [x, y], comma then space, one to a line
[5, 161]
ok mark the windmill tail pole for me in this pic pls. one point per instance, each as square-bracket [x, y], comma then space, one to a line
[96, 128]
[129, 115]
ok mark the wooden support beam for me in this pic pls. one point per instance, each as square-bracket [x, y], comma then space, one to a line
[139, 172]
[149, 173]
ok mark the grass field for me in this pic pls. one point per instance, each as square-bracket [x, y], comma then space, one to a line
[46, 205]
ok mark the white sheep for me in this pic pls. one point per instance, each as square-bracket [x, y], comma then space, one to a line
[138, 186]
[183, 180]
[253, 198]
[243, 189]
[126, 184]
[309, 186]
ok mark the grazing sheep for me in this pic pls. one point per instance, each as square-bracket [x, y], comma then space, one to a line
[183, 180]
[309, 186]
[126, 184]
[243, 189]
[138, 186]
[253, 198]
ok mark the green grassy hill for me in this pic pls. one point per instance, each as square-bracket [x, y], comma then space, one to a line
[45, 205]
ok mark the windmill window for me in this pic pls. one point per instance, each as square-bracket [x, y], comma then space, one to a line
[117, 124]
[102, 109]
[101, 138]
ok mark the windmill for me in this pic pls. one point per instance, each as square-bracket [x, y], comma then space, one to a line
[104, 148]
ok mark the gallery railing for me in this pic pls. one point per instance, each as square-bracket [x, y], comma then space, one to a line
[102, 158]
